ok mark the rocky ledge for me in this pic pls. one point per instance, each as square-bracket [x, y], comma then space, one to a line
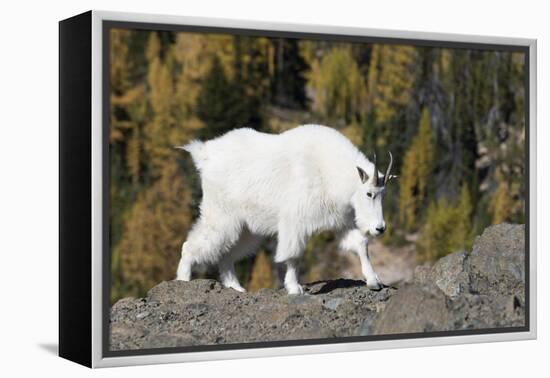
[484, 288]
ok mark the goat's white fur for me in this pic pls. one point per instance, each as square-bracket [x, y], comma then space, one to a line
[292, 185]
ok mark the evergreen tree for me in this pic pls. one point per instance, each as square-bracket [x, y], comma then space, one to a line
[463, 120]
[223, 106]
[214, 100]
[289, 80]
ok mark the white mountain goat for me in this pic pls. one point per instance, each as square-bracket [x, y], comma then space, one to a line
[302, 181]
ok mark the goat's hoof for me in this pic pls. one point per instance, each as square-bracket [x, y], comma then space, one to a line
[236, 287]
[375, 284]
[295, 289]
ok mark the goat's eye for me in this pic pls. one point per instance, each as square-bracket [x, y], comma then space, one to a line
[369, 195]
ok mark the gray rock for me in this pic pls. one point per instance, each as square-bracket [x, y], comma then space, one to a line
[422, 274]
[142, 315]
[415, 308]
[497, 261]
[449, 275]
[333, 303]
[483, 289]
[203, 312]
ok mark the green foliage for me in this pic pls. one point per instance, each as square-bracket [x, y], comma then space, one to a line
[447, 228]
[223, 106]
[289, 83]
[212, 102]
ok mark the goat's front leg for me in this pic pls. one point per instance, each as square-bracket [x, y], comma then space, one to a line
[291, 278]
[290, 247]
[184, 266]
[355, 241]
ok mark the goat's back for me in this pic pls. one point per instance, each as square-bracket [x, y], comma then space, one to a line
[302, 168]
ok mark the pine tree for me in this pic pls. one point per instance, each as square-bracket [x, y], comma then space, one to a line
[223, 105]
[289, 82]
[468, 77]
[213, 100]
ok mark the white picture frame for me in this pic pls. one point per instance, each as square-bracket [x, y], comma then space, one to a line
[97, 354]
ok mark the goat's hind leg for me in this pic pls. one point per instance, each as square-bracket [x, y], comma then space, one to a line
[228, 277]
[206, 243]
[247, 244]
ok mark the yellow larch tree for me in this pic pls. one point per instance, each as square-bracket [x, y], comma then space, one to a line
[390, 79]
[416, 172]
[501, 202]
[339, 90]
[261, 276]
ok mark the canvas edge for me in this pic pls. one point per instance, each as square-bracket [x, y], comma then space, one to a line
[97, 190]
[97, 182]
[533, 182]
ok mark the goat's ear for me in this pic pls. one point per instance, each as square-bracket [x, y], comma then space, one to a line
[362, 175]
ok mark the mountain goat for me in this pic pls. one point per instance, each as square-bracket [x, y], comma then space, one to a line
[302, 181]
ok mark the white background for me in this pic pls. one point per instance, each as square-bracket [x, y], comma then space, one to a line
[28, 185]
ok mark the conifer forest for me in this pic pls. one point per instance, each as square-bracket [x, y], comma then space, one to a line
[453, 118]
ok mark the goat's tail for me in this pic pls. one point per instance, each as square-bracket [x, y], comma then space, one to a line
[197, 150]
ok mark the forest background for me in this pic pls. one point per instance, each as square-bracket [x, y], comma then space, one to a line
[454, 120]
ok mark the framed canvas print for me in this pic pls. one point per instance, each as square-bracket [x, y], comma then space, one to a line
[232, 189]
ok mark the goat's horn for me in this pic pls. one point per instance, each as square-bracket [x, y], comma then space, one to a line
[375, 174]
[387, 175]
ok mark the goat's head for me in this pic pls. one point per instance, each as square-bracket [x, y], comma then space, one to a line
[367, 200]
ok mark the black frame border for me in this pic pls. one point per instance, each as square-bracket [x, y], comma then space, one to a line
[107, 25]
[75, 189]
